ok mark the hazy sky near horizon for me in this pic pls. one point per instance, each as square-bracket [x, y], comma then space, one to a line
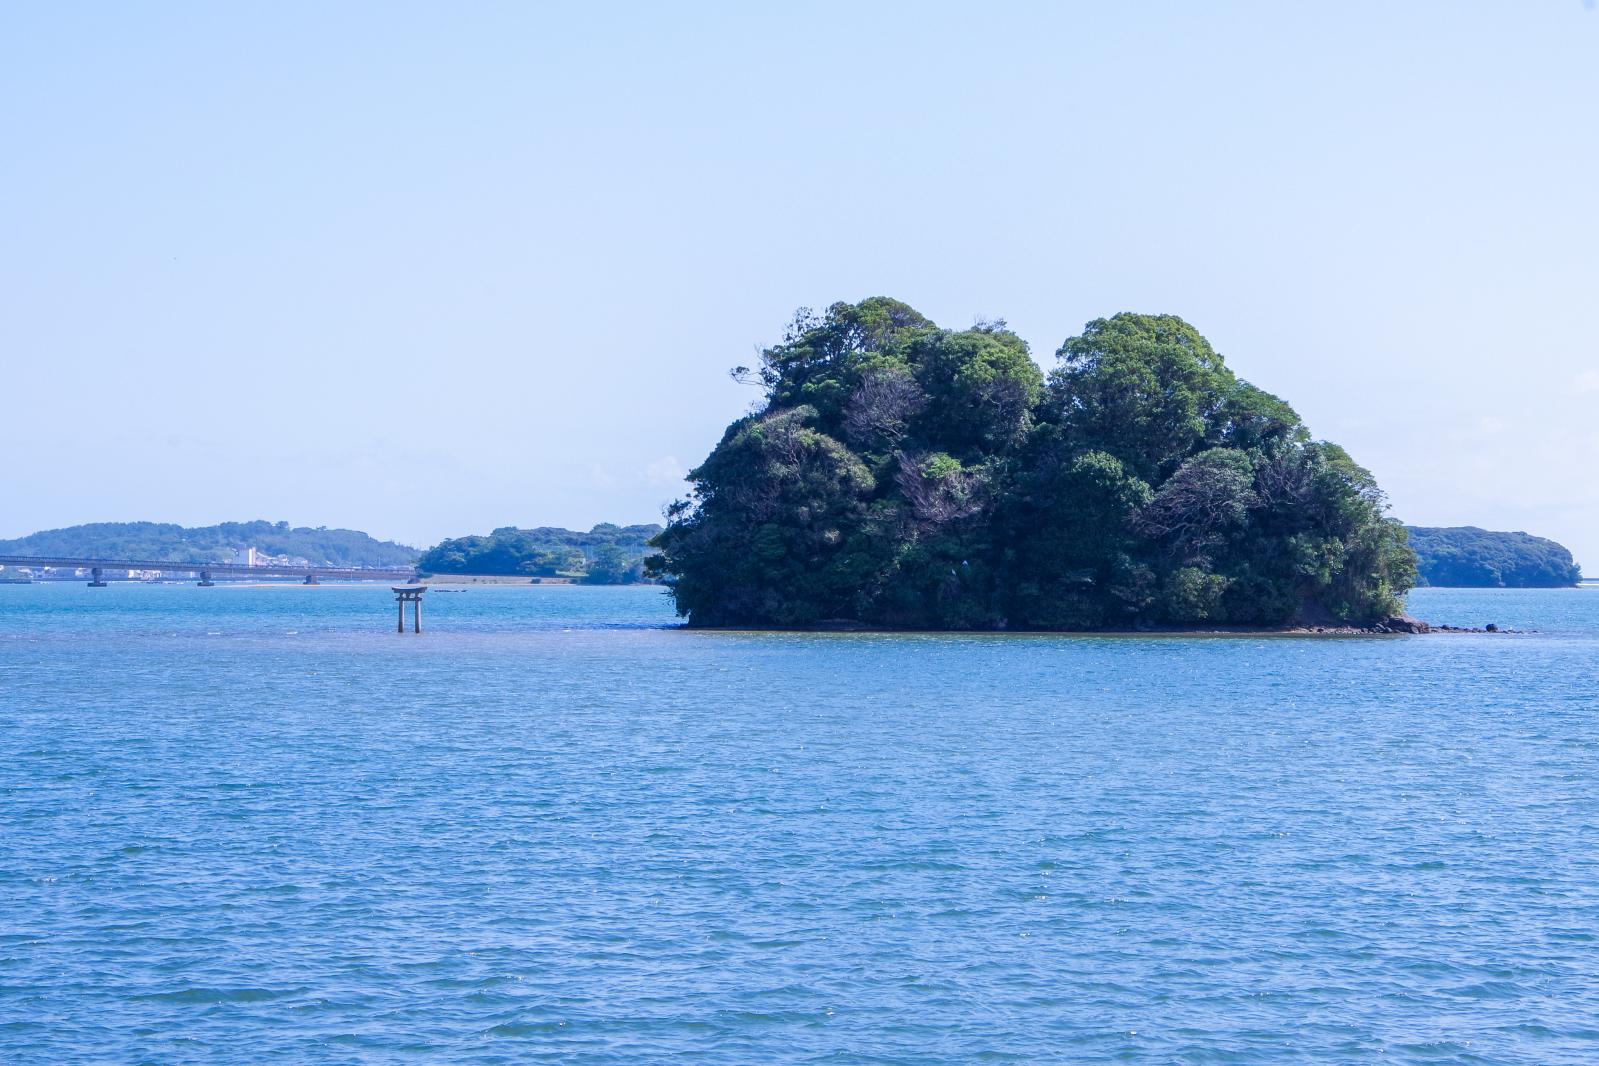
[425, 271]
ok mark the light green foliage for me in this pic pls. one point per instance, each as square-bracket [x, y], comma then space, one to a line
[612, 565]
[903, 475]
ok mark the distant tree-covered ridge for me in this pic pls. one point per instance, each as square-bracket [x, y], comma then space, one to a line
[168, 543]
[1468, 557]
[902, 475]
[605, 555]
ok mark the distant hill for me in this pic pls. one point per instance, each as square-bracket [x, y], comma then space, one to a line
[1468, 557]
[168, 543]
[606, 555]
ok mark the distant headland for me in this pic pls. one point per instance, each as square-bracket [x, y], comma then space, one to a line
[606, 555]
[1468, 557]
[167, 542]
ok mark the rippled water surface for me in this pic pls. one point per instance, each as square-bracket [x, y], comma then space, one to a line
[244, 824]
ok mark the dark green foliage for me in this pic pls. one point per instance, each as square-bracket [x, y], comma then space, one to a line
[791, 542]
[168, 543]
[1468, 557]
[902, 475]
[606, 555]
[1148, 389]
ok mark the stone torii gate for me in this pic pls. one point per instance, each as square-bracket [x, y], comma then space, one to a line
[412, 594]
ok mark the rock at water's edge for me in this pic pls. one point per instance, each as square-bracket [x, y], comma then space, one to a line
[1403, 623]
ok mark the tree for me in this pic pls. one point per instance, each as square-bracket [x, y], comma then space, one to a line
[821, 357]
[881, 409]
[610, 566]
[1145, 388]
[982, 387]
[1209, 495]
[774, 533]
[1078, 562]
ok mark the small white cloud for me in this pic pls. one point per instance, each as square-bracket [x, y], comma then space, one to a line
[1588, 381]
[1492, 424]
[665, 471]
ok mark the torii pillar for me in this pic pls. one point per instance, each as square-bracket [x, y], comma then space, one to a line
[412, 594]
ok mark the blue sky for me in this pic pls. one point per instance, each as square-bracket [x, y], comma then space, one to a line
[425, 271]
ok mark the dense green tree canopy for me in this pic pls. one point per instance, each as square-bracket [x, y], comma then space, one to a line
[903, 475]
[608, 554]
[1468, 557]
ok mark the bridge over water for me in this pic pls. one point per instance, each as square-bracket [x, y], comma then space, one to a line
[208, 571]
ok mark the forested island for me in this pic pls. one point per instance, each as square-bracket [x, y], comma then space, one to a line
[606, 555]
[1468, 557]
[900, 475]
[168, 543]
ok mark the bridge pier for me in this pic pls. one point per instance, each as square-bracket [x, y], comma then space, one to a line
[95, 580]
[205, 581]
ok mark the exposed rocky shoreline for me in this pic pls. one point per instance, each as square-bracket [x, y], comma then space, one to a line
[1398, 625]
[1404, 623]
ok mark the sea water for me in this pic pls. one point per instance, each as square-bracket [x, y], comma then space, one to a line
[256, 824]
